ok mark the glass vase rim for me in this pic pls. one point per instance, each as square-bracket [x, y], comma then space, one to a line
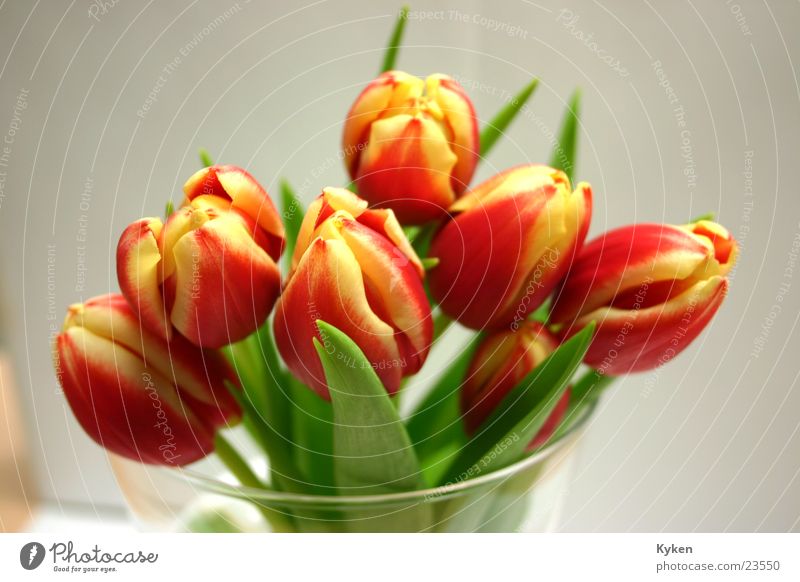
[446, 491]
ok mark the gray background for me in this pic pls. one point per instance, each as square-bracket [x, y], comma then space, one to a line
[708, 443]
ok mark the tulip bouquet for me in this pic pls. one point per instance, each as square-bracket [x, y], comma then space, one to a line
[209, 329]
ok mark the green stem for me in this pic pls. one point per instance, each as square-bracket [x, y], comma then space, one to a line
[245, 475]
[441, 322]
[234, 461]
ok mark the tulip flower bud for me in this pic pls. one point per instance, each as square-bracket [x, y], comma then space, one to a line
[136, 394]
[512, 239]
[211, 271]
[354, 269]
[411, 145]
[651, 288]
[500, 363]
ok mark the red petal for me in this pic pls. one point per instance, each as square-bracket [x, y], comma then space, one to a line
[481, 261]
[638, 340]
[126, 407]
[500, 363]
[138, 268]
[225, 284]
[407, 167]
[398, 290]
[327, 285]
[621, 261]
[246, 194]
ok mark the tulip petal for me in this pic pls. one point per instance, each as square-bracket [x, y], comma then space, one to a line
[525, 178]
[500, 363]
[245, 193]
[334, 200]
[637, 340]
[398, 288]
[512, 240]
[566, 222]
[407, 166]
[331, 200]
[391, 93]
[125, 406]
[485, 255]
[328, 286]
[199, 373]
[384, 221]
[622, 260]
[462, 122]
[225, 284]
[719, 241]
[138, 266]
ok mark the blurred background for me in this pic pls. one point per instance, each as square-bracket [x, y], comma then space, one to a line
[689, 107]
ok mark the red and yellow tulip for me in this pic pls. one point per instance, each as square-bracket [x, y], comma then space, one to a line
[512, 239]
[500, 363]
[136, 394]
[354, 269]
[411, 145]
[211, 271]
[651, 288]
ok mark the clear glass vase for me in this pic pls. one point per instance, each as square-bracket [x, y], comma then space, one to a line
[526, 496]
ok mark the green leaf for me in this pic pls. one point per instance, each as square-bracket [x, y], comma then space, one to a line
[441, 323]
[266, 403]
[312, 435]
[205, 157]
[372, 451]
[169, 209]
[564, 153]
[503, 438]
[421, 239]
[390, 56]
[436, 421]
[429, 263]
[276, 397]
[589, 386]
[542, 313]
[411, 231]
[500, 122]
[706, 216]
[292, 212]
[585, 392]
[285, 475]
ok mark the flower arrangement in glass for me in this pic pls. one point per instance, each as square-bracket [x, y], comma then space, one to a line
[207, 331]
